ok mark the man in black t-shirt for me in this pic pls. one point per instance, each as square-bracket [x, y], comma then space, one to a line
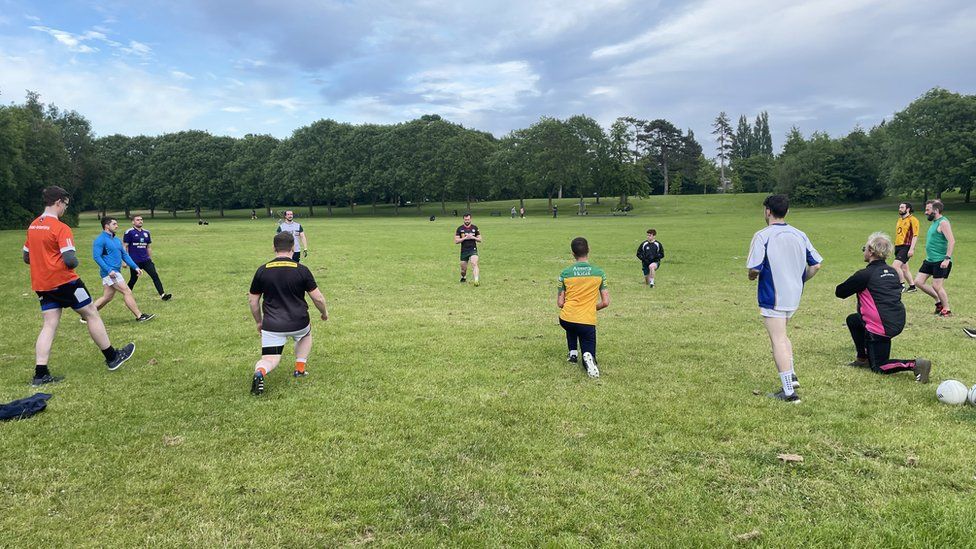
[284, 313]
[468, 236]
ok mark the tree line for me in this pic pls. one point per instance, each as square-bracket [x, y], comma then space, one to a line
[927, 148]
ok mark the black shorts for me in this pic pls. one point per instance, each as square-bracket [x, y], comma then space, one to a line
[935, 269]
[72, 294]
[466, 254]
[901, 253]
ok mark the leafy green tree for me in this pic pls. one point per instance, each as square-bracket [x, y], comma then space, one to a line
[722, 130]
[251, 181]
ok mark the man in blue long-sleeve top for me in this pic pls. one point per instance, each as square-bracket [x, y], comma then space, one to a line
[108, 252]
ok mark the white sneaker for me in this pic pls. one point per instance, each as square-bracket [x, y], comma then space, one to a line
[591, 369]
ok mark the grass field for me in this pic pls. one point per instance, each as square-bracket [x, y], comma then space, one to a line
[445, 414]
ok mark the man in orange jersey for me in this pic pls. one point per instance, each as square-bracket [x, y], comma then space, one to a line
[582, 292]
[50, 252]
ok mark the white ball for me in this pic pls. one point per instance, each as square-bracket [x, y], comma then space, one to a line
[972, 395]
[951, 391]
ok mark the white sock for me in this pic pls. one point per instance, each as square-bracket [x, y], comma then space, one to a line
[652, 281]
[786, 378]
[574, 352]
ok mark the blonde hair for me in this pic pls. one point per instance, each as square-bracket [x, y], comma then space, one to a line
[879, 244]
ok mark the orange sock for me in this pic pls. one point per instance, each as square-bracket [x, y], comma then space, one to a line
[300, 366]
[262, 371]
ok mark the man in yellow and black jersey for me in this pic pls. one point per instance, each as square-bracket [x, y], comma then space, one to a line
[906, 236]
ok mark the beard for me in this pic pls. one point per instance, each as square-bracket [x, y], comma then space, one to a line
[930, 217]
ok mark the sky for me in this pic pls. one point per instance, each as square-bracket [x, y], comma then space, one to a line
[234, 67]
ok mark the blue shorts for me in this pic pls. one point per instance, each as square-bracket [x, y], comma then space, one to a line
[72, 294]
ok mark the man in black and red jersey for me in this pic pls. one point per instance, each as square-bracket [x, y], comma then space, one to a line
[50, 252]
[880, 314]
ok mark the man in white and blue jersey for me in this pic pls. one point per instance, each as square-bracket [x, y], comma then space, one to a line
[783, 259]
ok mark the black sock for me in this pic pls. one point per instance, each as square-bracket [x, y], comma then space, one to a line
[109, 353]
[40, 370]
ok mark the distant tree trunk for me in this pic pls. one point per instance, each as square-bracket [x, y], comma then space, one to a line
[152, 212]
[352, 207]
[581, 207]
[197, 210]
[127, 213]
[311, 211]
[221, 210]
[623, 199]
[103, 212]
[560, 192]
[469, 203]
[550, 199]
[374, 204]
[967, 194]
[396, 205]
[173, 211]
[329, 207]
[521, 202]
[598, 197]
[664, 168]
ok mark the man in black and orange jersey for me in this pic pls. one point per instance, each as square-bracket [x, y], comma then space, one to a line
[582, 292]
[283, 282]
[906, 236]
[50, 252]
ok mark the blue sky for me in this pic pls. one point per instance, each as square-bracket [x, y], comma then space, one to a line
[270, 66]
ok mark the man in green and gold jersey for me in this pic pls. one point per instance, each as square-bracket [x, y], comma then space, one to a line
[582, 292]
[939, 244]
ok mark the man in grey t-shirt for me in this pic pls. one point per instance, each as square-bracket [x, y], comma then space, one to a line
[289, 225]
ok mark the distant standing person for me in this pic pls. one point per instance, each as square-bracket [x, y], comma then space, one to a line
[582, 292]
[283, 313]
[880, 314]
[555, 210]
[513, 212]
[522, 212]
[138, 244]
[107, 251]
[939, 244]
[906, 236]
[468, 236]
[783, 259]
[289, 225]
[650, 252]
[50, 252]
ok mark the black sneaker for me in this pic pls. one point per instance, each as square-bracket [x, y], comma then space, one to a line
[859, 363]
[44, 380]
[911, 289]
[971, 332]
[780, 395]
[463, 280]
[145, 318]
[166, 297]
[572, 358]
[938, 308]
[923, 367]
[296, 373]
[796, 381]
[121, 355]
[257, 384]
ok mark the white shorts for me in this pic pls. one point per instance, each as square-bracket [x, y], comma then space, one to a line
[278, 339]
[112, 280]
[774, 313]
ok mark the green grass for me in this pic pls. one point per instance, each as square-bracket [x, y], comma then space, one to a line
[440, 413]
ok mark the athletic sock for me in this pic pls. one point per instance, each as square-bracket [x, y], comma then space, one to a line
[40, 370]
[109, 353]
[260, 372]
[652, 281]
[300, 365]
[574, 352]
[786, 378]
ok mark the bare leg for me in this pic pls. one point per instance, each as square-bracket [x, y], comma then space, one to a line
[303, 347]
[652, 268]
[130, 300]
[464, 269]
[474, 266]
[96, 328]
[920, 284]
[267, 363]
[108, 294]
[782, 346]
[938, 285]
[42, 349]
[900, 268]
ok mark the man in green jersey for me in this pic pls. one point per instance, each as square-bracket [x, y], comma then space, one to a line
[939, 244]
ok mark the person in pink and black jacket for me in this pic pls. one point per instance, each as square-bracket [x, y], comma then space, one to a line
[880, 314]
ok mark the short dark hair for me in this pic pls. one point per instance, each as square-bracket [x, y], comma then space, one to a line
[937, 205]
[466, 214]
[107, 220]
[777, 204]
[580, 247]
[54, 193]
[284, 242]
[652, 231]
[908, 206]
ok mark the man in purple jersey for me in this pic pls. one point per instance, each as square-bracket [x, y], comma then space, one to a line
[138, 244]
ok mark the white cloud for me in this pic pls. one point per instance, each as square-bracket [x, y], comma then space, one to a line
[137, 48]
[290, 104]
[180, 75]
[72, 41]
[471, 87]
[235, 109]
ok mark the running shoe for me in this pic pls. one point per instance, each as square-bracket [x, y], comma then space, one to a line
[781, 395]
[911, 289]
[923, 367]
[145, 317]
[859, 363]
[945, 313]
[121, 355]
[166, 297]
[574, 358]
[591, 369]
[257, 384]
[44, 380]
[971, 332]
[796, 381]
[463, 280]
[938, 308]
[296, 373]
